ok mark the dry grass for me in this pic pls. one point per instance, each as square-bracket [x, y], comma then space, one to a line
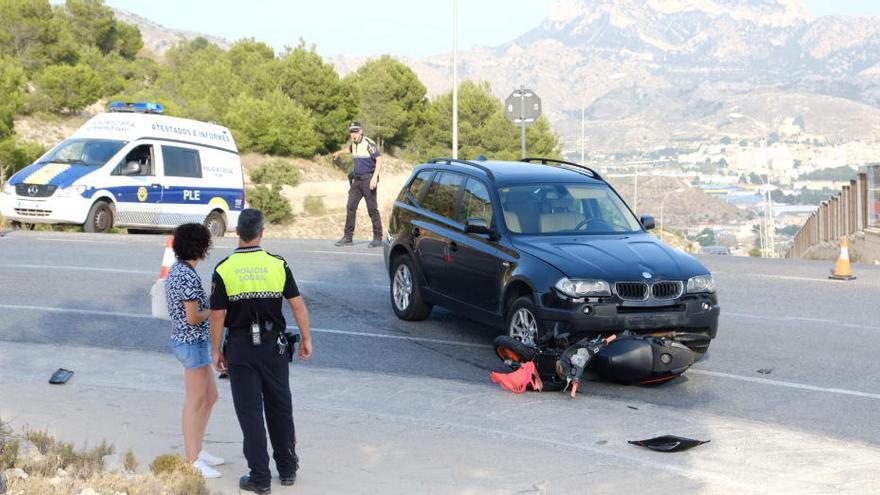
[314, 205]
[82, 463]
[65, 469]
[8, 447]
[166, 484]
[130, 462]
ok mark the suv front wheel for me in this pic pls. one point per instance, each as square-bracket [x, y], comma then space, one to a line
[522, 321]
[406, 295]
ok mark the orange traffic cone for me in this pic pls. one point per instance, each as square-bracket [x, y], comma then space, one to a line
[167, 258]
[842, 271]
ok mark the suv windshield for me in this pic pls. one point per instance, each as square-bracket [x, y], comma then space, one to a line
[576, 208]
[94, 152]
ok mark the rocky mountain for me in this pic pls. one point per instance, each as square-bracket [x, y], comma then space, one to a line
[158, 38]
[651, 73]
[660, 72]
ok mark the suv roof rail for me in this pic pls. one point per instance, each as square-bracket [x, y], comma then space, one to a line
[465, 162]
[552, 161]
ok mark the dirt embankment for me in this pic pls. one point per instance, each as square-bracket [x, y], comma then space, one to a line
[319, 201]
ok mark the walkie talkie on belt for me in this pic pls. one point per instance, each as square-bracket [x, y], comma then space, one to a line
[255, 332]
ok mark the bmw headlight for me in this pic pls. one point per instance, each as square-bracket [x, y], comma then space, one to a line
[70, 192]
[701, 283]
[8, 188]
[583, 288]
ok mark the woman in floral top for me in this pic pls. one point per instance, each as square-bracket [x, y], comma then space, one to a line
[191, 341]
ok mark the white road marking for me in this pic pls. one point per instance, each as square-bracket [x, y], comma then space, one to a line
[144, 272]
[778, 383]
[80, 268]
[317, 330]
[89, 241]
[346, 253]
[91, 312]
[339, 284]
[801, 279]
[799, 318]
[697, 371]
[398, 337]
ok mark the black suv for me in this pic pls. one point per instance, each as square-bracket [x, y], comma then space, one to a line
[539, 246]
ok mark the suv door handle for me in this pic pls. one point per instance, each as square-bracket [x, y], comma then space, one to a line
[155, 185]
[453, 246]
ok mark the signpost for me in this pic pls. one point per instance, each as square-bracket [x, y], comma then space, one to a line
[523, 107]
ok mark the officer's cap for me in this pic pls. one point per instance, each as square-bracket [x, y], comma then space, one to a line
[355, 127]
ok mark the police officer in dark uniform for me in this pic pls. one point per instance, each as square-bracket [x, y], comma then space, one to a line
[364, 184]
[248, 289]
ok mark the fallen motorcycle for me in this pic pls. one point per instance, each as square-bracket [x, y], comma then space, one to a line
[623, 357]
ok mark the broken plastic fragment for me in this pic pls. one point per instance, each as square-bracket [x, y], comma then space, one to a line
[518, 380]
[668, 443]
[765, 371]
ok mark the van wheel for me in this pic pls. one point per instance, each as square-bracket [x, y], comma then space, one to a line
[99, 219]
[215, 224]
[406, 295]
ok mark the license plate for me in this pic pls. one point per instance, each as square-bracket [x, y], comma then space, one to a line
[24, 204]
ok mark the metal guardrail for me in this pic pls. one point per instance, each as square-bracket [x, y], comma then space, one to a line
[854, 209]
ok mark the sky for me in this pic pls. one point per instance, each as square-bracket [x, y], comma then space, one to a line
[403, 28]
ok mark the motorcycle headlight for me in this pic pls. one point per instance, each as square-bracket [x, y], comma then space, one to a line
[70, 192]
[583, 288]
[701, 283]
[8, 188]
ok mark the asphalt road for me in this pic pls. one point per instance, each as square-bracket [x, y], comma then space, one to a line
[818, 338]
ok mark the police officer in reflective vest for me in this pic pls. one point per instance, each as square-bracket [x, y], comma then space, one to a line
[248, 289]
[364, 184]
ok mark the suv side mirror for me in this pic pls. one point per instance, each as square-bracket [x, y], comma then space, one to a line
[647, 222]
[480, 226]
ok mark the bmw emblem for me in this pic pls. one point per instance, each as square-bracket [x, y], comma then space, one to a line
[646, 275]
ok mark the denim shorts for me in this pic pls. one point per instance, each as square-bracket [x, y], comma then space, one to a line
[193, 355]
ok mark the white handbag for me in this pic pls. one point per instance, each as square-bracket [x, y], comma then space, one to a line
[159, 300]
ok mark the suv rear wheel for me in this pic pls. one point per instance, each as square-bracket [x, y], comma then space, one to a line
[522, 321]
[406, 295]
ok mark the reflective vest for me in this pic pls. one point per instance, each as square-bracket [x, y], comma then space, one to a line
[252, 275]
[364, 155]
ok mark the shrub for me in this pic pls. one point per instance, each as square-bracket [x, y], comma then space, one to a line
[15, 155]
[70, 88]
[276, 172]
[130, 462]
[8, 447]
[274, 124]
[170, 464]
[275, 207]
[314, 205]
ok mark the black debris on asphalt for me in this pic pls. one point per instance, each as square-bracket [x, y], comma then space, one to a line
[668, 443]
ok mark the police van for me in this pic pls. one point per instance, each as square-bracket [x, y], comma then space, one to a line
[135, 168]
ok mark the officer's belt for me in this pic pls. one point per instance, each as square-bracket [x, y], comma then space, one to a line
[246, 332]
[362, 176]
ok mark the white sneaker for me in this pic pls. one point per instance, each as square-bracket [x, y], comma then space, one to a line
[211, 460]
[205, 470]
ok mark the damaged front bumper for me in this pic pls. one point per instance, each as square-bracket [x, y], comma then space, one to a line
[687, 318]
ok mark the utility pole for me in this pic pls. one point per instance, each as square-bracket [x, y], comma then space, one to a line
[583, 150]
[522, 118]
[454, 78]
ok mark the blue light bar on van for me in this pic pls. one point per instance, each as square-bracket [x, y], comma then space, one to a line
[136, 107]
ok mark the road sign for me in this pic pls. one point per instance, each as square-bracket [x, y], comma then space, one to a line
[523, 106]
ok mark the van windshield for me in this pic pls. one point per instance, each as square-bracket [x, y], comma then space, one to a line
[92, 152]
[553, 209]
